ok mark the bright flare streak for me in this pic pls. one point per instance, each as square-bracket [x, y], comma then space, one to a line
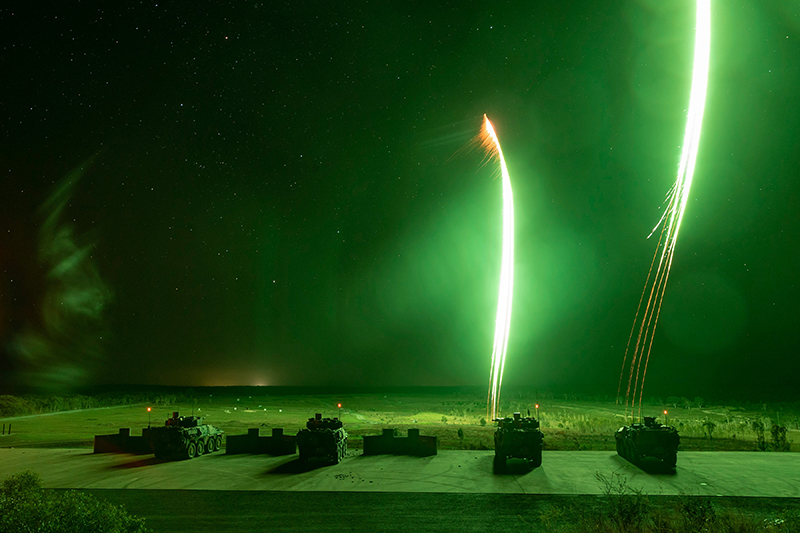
[503, 319]
[653, 292]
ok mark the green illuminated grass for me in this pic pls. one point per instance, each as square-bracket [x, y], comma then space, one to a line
[568, 423]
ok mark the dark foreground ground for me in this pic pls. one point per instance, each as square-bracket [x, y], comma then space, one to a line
[201, 511]
[454, 490]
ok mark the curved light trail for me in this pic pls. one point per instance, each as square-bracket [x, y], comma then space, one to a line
[644, 324]
[503, 320]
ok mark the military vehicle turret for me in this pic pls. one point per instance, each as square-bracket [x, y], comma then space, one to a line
[518, 437]
[323, 439]
[651, 442]
[184, 437]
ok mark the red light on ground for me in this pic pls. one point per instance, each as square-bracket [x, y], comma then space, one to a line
[340, 406]
[537, 405]
[148, 409]
[665, 411]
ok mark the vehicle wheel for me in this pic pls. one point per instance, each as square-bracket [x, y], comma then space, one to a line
[211, 445]
[536, 460]
[340, 451]
[219, 442]
[634, 455]
[499, 464]
[671, 461]
[201, 448]
[191, 450]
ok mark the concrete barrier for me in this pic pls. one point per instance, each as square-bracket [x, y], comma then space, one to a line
[252, 442]
[123, 442]
[388, 443]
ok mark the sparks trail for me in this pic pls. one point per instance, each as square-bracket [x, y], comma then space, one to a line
[647, 313]
[488, 140]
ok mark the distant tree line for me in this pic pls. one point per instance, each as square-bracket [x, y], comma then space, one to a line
[11, 406]
[31, 405]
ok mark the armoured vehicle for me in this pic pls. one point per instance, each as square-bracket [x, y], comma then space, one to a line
[322, 439]
[184, 437]
[648, 440]
[518, 437]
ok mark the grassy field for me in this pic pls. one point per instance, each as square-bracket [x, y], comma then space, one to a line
[568, 423]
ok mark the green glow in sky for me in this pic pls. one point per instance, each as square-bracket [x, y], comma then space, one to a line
[357, 245]
[673, 215]
[503, 320]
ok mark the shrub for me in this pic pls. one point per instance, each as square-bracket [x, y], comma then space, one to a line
[25, 506]
[758, 428]
[700, 402]
[709, 427]
[12, 406]
[779, 442]
[627, 510]
[698, 513]
[626, 507]
[674, 401]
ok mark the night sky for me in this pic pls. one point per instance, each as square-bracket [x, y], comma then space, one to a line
[214, 193]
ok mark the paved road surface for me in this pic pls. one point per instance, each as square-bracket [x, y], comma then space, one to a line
[698, 473]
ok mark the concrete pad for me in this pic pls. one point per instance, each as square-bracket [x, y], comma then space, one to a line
[698, 473]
